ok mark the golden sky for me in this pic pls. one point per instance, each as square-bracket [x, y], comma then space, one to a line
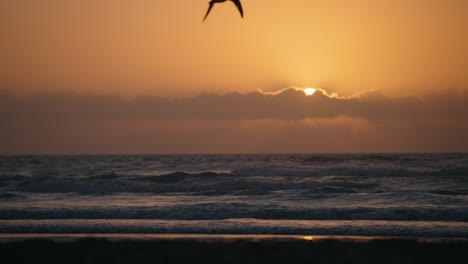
[147, 76]
[162, 47]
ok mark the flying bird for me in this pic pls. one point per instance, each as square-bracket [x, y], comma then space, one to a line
[236, 2]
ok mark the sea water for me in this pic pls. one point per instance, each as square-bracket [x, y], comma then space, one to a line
[422, 195]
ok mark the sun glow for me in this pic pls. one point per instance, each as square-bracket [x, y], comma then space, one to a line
[309, 91]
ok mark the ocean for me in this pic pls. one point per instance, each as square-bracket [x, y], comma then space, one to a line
[409, 195]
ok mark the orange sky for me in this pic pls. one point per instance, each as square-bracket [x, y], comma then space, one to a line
[76, 59]
[161, 47]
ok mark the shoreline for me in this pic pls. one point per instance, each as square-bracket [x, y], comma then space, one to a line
[72, 237]
[238, 226]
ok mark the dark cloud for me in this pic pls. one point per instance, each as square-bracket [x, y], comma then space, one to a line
[287, 121]
[288, 104]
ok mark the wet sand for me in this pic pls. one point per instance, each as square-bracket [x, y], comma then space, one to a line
[62, 248]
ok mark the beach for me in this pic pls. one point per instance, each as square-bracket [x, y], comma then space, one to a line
[228, 249]
[289, 208]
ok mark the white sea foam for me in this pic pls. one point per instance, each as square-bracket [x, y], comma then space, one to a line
[239, 226]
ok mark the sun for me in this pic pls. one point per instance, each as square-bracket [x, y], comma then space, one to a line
[309, 91]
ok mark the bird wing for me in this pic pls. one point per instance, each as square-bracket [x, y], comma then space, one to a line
[208, 11]
[239, 7]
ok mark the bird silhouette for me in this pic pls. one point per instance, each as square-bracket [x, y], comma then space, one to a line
[236, 2]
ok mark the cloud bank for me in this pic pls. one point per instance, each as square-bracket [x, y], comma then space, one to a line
[285, 121]
[287, 104]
